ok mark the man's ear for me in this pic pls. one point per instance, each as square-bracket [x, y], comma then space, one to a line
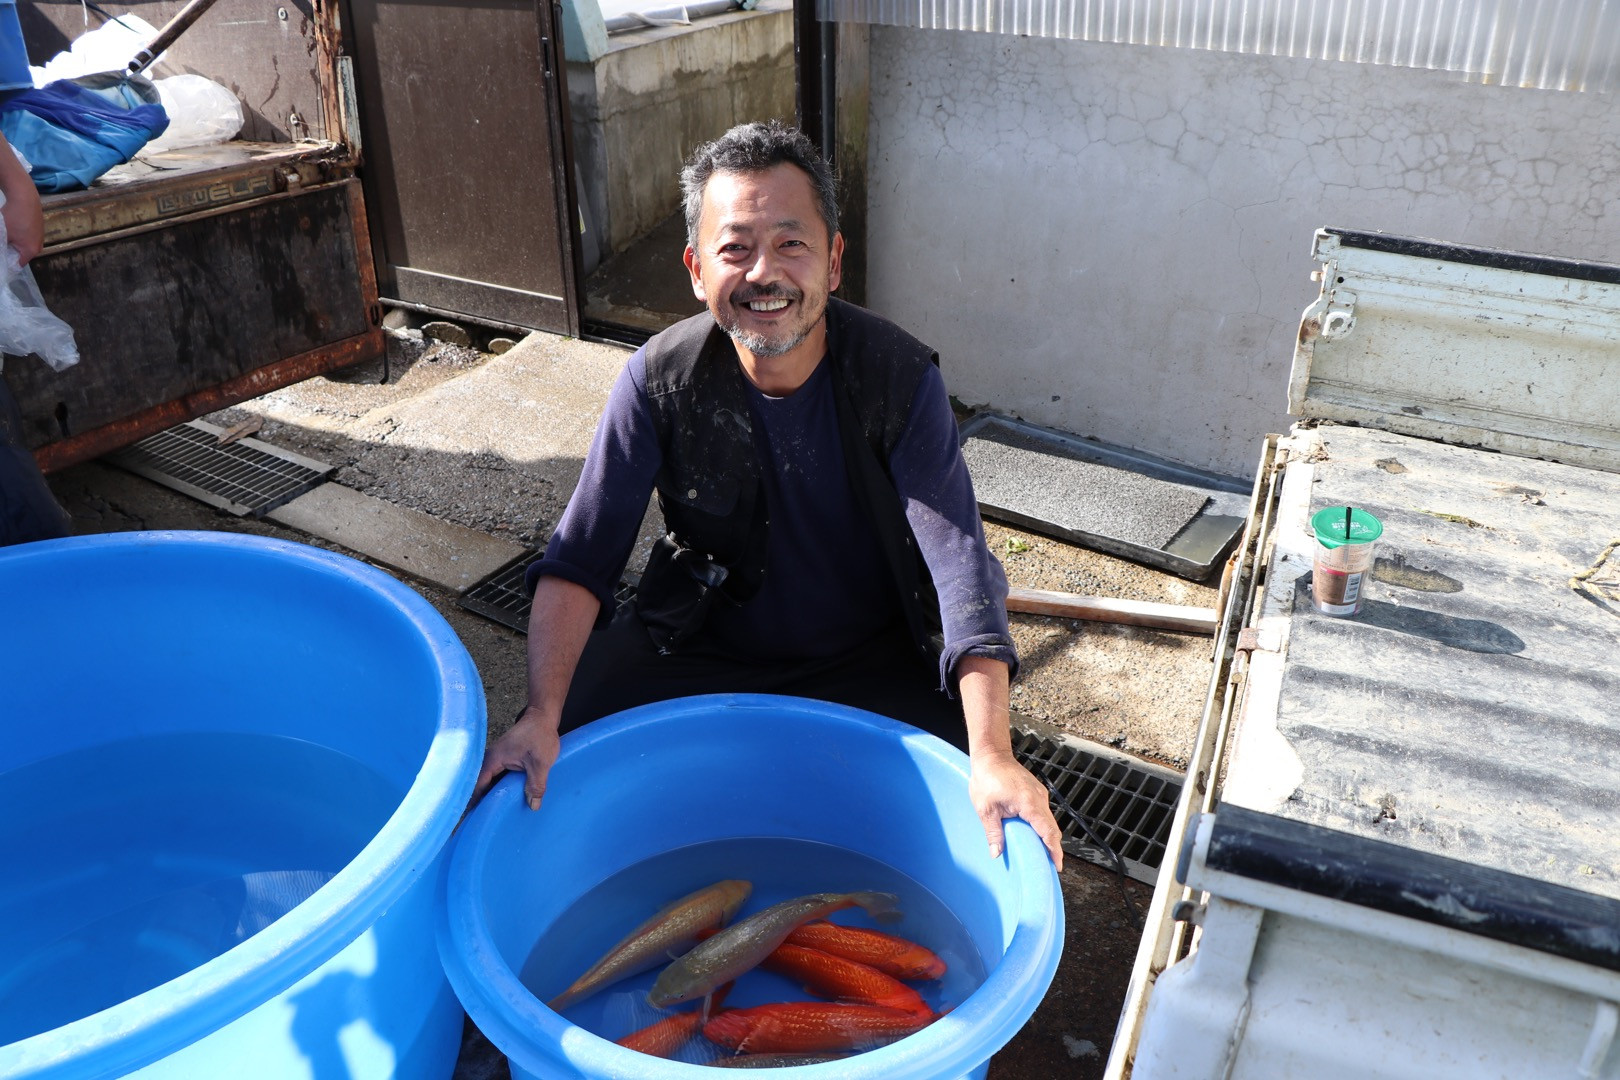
[694, 267]
[835, 264]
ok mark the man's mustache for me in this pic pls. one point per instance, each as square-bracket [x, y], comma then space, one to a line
[749, 293]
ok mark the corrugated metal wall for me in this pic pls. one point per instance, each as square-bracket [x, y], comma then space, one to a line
[1545, 44]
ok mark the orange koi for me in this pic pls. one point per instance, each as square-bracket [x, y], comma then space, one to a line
[835, 977]
[891, 955]
[665, 1037]
[670, 931]
[809, 1027]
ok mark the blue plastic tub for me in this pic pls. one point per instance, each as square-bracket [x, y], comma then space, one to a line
[634, 787]
[228, 769]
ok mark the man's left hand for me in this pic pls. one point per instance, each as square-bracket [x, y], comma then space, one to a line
[1001, 788]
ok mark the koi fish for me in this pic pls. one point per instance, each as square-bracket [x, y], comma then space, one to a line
[892, 955]
[740, 948]
[810, 1027]
[835, 977]
[666, 1037]
[670, 931]
[773, 1061]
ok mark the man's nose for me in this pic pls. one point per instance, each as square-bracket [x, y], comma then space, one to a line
[765, 268]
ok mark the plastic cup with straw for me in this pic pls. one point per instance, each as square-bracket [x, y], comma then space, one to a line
[1345, 538]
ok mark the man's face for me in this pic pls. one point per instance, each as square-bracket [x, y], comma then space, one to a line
[764, 263]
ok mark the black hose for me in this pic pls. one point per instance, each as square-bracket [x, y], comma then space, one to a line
[1135, 915]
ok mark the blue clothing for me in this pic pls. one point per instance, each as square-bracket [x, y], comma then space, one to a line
[827, 588]
[73, 130]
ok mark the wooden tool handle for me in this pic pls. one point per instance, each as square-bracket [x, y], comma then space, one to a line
[1192, 620]
[171, 31]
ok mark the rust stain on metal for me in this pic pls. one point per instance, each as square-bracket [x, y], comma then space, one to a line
[96, 212]
[109, 437]
[328, 46]
[365, 266]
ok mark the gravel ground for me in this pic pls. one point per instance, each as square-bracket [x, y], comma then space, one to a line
[1136, 689]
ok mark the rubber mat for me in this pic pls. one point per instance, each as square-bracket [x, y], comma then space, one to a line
[1023, 473]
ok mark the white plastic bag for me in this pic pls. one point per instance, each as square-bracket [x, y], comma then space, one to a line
[109, 47]
[26, 324]
[201, 112]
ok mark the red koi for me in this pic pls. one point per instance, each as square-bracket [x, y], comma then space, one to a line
[891, 955]
[835, 977]
[664, 1038]
[809, 1027]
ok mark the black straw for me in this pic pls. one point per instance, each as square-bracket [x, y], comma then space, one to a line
[1347, 524]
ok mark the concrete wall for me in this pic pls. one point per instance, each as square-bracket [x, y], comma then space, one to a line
[655, 94]
[1115, 240]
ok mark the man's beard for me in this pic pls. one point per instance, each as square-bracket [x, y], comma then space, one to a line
[763, 345]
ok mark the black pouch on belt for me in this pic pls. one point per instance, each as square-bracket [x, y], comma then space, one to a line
[681, 585]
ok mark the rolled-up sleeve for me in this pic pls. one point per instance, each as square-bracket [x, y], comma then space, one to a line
[598, 530]
[937, 491]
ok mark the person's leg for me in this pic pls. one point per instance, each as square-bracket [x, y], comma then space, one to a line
[621, 668]
[888, 677]
[28, 510]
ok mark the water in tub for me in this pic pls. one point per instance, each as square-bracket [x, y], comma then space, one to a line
[780, 869]
[128, 864]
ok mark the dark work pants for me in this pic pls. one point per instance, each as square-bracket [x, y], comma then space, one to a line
[28, 510]
[621, 668]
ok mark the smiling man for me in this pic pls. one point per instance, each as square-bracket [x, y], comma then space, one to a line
[822, 538]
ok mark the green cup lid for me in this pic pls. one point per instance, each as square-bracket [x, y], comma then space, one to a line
[1330, 532]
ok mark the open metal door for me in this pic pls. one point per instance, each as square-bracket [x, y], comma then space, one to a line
[466, 161]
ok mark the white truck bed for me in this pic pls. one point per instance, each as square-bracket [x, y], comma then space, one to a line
[1399, 843]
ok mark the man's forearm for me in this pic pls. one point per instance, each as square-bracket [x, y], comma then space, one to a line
[25, 225]
[560, 620]
[982, 684]
[998, 783]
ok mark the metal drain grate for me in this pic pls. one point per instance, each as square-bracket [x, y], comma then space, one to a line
[1129, 803]
[246, 477]
[501, 597]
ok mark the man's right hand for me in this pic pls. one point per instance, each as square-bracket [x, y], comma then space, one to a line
[530, 746]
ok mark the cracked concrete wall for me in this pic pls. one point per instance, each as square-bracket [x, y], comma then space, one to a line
[1114, 240]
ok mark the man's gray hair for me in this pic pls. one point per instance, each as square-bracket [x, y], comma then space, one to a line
[755, 147]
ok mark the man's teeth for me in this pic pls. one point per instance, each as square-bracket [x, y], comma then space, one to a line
[767, 305]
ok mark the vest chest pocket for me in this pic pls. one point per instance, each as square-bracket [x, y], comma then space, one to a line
[715, 496]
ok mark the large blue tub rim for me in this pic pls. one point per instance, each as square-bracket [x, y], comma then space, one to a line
[145, 1028]
[517, 1022]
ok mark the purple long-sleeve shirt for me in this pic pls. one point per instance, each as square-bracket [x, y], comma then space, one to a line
[827, 588]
